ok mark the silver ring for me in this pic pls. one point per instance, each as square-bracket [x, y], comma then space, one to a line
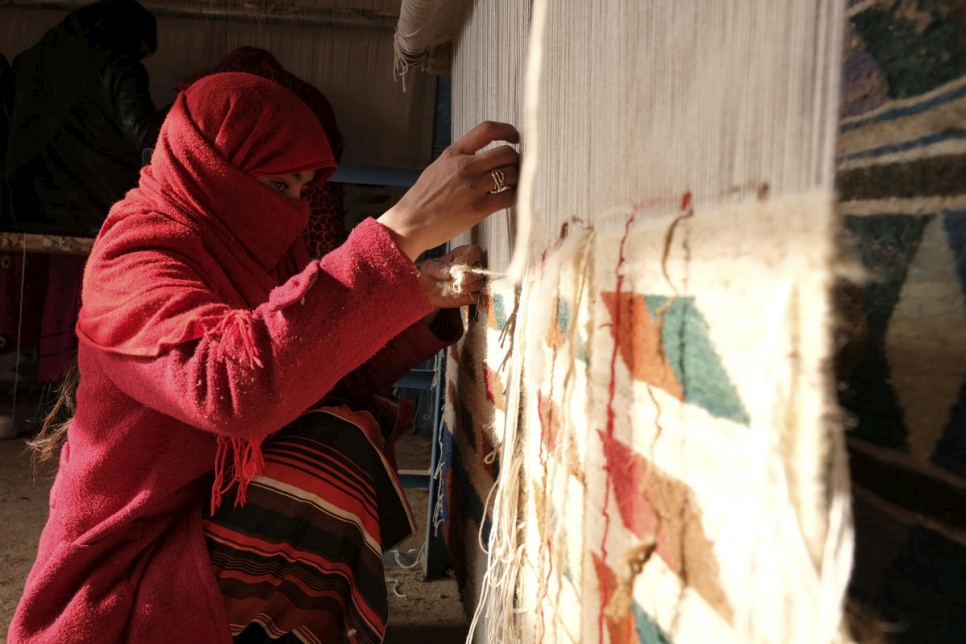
[499, 180]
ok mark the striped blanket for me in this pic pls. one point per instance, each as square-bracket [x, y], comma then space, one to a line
[304, 554]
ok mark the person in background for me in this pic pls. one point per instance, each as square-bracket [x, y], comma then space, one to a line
[82, 113]
[326, 230]
[228, 470]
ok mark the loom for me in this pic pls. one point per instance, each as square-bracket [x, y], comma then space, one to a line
[643, 407]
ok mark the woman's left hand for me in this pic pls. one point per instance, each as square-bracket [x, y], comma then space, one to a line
[437, 283]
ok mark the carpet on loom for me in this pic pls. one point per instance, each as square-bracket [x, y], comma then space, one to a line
[653, 347]
[675, 460]
[678, 435]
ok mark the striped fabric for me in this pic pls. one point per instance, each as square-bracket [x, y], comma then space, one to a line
[304, 555]
[902, 184]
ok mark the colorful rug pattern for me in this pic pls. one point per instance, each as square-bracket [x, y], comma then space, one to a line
[642, 367]
[902, 188]
[682, 405]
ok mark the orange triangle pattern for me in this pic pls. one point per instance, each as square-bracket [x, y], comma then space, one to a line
[622, 630]
[639, 342]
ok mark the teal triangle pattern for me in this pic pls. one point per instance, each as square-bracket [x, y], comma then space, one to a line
[563, 315]
[886, 245]
[688, 349]
[648, 632]
[499, 311]
[564, 320]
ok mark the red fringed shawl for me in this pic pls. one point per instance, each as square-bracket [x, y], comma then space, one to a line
[326, 230]
[201, 182]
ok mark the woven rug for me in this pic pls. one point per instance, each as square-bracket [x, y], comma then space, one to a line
[902, 189]
[655, 345]
[660, 459]
[678, 453]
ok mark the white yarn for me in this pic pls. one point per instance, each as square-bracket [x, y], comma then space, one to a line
[504, 550]
[531, 130]
[488, 71]
[423, 24]
[459, 274]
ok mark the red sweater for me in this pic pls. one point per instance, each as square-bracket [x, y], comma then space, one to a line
[122, 557]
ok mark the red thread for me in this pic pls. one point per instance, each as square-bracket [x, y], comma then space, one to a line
[611, 392]
[653, 201]
[249, 463]
[612, 386]
[222, 467]
[612, 389]
[236, 329]
[237, 459]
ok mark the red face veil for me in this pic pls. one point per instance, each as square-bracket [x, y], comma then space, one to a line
[198, 210]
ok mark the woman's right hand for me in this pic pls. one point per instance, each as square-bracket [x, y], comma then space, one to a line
[455, 192]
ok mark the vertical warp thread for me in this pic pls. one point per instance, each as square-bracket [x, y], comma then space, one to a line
[638, 99]
[16, 369]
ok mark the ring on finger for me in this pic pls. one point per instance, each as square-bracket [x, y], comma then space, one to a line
[499, 180]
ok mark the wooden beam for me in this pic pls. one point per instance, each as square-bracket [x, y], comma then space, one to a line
[259, 13]
[49, 244]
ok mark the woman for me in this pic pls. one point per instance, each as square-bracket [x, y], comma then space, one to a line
[180, 512]
[326, 230]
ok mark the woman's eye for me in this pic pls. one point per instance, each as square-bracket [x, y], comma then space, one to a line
[281, 186]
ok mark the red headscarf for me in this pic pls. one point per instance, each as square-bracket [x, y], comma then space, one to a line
[254, 60]
[198, 207]
[326, 230]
